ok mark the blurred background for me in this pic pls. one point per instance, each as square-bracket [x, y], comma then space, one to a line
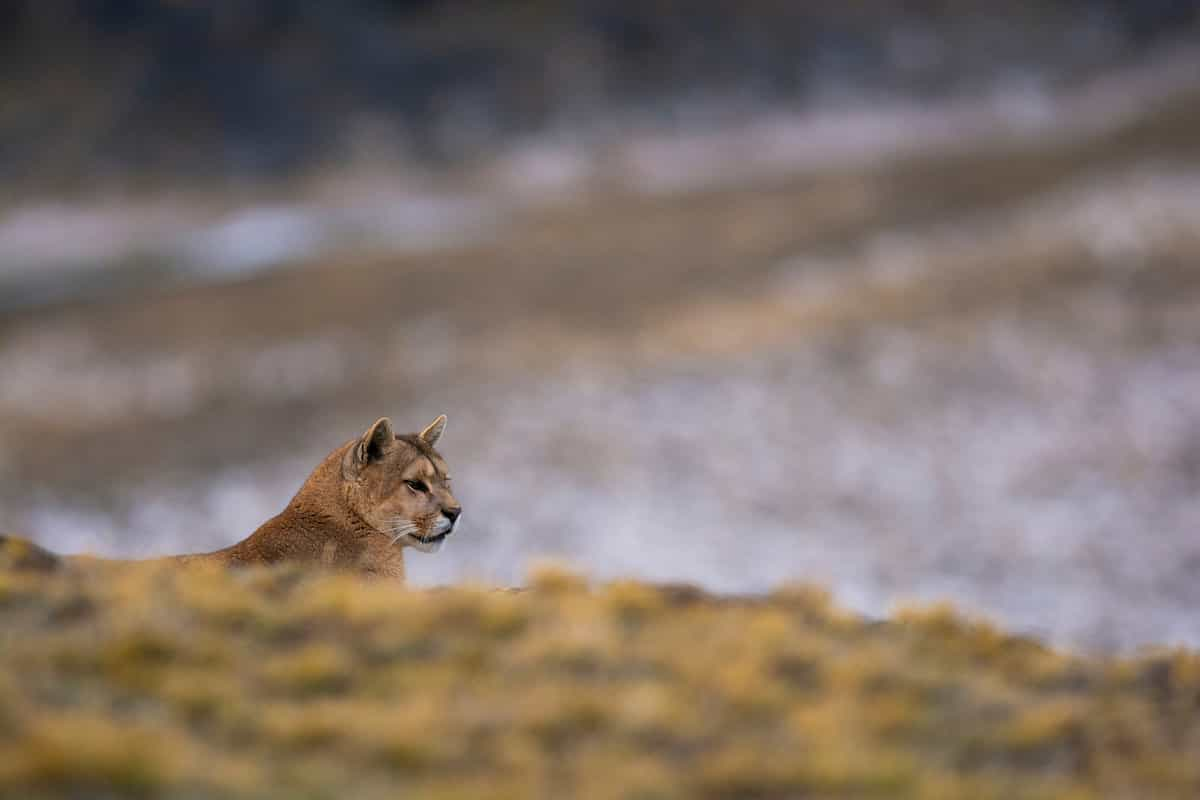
[898, 297]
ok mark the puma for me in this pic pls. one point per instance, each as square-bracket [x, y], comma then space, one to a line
[363, 505]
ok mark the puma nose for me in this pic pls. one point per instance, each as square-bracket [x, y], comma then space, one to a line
[452, 514]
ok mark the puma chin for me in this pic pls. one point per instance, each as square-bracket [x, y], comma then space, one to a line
[430, 543]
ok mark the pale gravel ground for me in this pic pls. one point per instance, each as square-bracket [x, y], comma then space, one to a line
[1063, 502]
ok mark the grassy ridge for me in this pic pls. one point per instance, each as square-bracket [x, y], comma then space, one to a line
[134, 681]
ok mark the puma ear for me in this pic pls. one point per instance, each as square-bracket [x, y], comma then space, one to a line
[434, 432]
[375, 442]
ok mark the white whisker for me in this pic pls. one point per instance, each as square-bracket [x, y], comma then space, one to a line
[401, 528]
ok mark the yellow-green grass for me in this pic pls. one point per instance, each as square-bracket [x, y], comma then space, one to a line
[144, 681]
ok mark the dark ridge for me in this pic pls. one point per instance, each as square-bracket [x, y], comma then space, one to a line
[214, 91]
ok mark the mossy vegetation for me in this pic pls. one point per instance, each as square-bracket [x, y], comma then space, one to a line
[137, 681]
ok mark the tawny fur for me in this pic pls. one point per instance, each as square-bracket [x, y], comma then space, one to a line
[359, 509]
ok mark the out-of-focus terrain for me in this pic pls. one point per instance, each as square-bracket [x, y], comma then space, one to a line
[937, 349]
[144, 682]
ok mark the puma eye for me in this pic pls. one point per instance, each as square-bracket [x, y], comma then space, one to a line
[417, 486]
